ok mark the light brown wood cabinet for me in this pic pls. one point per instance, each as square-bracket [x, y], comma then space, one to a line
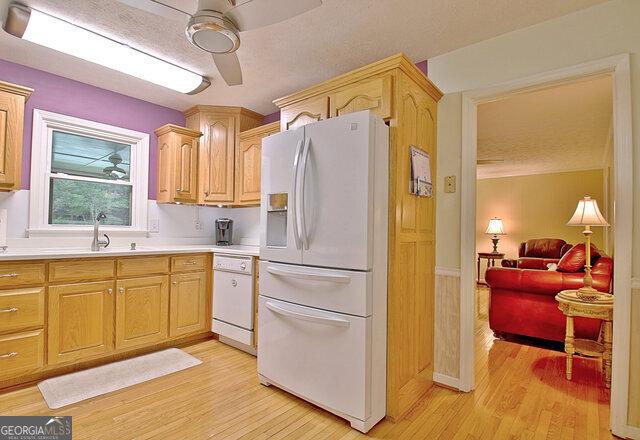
[177, 164]
[80, 321]
[248, 163]
[220, 127]
[12, 102]
[142, 309]
[188, 303]
[397, 91]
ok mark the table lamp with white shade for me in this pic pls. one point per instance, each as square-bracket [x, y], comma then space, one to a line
[495, 228]
[587, 214]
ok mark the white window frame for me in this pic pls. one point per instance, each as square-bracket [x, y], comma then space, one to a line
[44, 123]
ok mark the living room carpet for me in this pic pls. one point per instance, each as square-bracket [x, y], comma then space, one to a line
[82, 385]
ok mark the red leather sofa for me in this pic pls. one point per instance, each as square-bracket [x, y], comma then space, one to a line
[522, 301]
[537, 253]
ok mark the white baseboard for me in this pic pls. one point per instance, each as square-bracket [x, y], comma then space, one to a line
[443, 379]
[632, 432]
[448, 271]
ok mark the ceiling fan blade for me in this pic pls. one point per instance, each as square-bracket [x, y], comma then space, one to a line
[229, 67]
[177, 10]
[254, 14]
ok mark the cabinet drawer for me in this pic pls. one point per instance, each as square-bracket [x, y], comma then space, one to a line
[188, 263]
[81, 270]
[127, 267]
[20, 353]
[21, 308]
[373, 94]
[21, 274]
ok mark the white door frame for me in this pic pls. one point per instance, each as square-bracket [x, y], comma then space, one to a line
[618, 67]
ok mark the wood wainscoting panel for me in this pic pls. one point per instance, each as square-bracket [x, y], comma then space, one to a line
[447, 325]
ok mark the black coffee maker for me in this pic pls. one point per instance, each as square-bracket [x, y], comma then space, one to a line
[224, 232]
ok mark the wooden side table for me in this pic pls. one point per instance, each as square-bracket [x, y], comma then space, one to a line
[602, 308]
[491, 258]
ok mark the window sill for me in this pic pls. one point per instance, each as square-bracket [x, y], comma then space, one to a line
[85, 231]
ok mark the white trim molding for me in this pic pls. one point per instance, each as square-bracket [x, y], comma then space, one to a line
[618, 67]
[448, 271]
[44, 123]
[448, 381]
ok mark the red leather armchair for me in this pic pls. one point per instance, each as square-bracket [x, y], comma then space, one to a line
[522, 301]
[537, 253]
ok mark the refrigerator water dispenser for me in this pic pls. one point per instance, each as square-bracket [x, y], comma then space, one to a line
[277, 219]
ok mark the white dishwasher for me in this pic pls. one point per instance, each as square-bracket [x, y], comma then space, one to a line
[233, 299]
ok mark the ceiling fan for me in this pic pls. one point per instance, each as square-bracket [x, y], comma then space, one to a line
[215, 25]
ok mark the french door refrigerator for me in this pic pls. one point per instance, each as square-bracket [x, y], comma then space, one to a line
[323, 271]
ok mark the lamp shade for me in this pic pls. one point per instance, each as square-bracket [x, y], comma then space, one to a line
[495, 227]
[587, 214]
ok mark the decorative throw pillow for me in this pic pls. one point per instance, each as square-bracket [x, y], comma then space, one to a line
[574, 260]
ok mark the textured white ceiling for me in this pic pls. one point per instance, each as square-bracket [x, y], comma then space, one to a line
[279, 59]
[563, 128]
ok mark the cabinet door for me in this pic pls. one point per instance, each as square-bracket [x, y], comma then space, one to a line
[248, 162]
[373, 94]
[189, 299]
[164, 192]
[304, 112]
[11, 123]
[142, 311]
[186, 168]
[217, 151]
[80, 321]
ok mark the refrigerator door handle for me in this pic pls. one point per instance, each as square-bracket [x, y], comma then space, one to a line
[303, 220]
[343, 279]
[283, 310]
[294, 195]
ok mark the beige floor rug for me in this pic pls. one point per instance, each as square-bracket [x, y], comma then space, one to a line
[76, 387]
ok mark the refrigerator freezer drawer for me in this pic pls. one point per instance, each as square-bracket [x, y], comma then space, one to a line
[321, 356]
[342, 291]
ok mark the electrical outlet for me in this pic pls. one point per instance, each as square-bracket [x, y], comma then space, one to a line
[450, 184]
[198, 224]
[154, 225]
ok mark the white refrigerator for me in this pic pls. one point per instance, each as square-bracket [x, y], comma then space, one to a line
[323, 270]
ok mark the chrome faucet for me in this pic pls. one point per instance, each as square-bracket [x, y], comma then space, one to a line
[97, 243]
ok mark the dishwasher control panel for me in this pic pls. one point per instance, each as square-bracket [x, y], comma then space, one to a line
[231, 263]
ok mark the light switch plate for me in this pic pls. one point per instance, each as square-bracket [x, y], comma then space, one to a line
[450, 184]
[154, 225]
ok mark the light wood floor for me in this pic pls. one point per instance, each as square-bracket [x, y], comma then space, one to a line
[521, 393]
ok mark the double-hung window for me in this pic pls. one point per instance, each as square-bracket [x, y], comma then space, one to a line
[80, 168]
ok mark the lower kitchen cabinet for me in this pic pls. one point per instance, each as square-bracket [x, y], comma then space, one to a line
[188, 313]
[21, 353]
[80, 323]
[142, 306]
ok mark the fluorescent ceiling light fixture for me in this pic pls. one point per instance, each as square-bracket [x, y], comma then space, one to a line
[54, 33]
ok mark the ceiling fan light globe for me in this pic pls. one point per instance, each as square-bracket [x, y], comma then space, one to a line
[213, 32]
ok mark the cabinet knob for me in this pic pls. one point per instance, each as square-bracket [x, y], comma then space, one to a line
[109, 290]
[234, 283]
[174, 283]
[243, 266]
[121, 290]
[178, 189]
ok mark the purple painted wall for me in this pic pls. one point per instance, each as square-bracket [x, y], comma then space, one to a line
[273, 117]
[62, 95]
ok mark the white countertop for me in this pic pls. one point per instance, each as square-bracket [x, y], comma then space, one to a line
[51, 253]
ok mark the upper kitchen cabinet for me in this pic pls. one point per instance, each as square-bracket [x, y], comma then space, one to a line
[177, 164]
[404, 97]
[248, 163]
[12, 102]
[296, 114]
[220, 127]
